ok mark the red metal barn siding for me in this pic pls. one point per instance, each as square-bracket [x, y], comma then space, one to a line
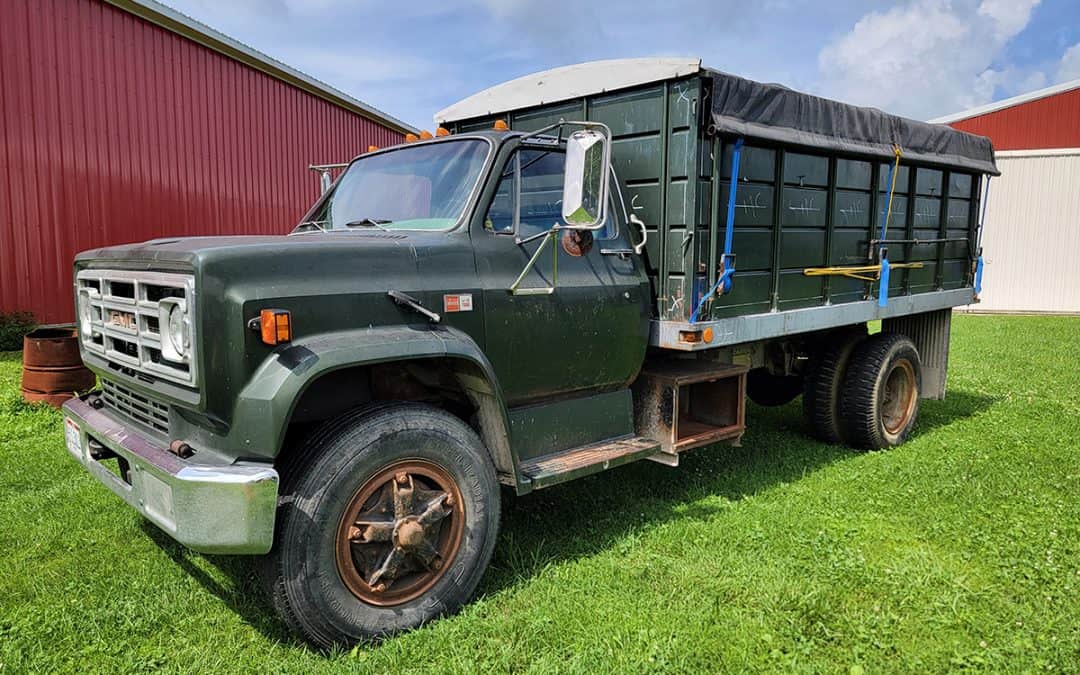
[113, 130]
[1051, 122]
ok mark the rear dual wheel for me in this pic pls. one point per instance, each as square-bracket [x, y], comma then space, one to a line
[863, 391]
[825, 380]
[880, 399]
[388, 520]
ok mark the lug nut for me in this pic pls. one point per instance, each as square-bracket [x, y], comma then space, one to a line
[449, 501]
[378, 588]
[354, 532]
[401, 477]
[436, 564]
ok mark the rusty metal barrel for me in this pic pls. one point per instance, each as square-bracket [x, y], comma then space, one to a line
[52, 370]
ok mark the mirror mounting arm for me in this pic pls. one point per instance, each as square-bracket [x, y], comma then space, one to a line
[549, 238]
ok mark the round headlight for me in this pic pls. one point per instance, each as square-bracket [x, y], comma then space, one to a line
[178, 335]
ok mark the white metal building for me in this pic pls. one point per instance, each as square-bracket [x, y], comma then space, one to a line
[1031, 240]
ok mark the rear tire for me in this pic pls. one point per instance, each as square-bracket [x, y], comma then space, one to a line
[824, 380]
[388, 520]
[879, 402]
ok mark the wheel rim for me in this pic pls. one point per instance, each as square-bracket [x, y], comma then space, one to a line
[400, 532]
[899, 397]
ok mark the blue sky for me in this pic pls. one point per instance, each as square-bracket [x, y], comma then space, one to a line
[921, 58]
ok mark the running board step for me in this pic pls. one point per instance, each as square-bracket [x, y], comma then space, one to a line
[588, 459]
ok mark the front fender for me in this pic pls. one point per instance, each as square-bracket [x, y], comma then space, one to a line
[266, 404]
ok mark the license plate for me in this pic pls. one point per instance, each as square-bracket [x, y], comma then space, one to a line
[73, 437]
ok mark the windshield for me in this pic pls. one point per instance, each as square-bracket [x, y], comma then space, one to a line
[424, 187]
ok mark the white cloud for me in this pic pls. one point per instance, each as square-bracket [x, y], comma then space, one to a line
[1069, 68]
[925, 58]
[1008, 16]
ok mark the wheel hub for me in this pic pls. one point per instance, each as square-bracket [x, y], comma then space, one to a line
[399, 532]
[409, 534]
[899, 397]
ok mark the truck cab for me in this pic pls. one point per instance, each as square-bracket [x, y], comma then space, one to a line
[538, 292]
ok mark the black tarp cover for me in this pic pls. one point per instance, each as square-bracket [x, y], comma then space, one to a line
[775, 113]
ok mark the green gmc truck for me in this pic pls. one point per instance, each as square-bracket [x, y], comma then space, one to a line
[583, 268]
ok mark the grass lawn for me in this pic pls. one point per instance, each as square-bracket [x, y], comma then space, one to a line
[959, 550]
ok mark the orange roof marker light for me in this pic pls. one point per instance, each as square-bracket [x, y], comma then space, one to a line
[442, 131]
[425, 135]
[372, 148]
[501, 125]
[411, 138]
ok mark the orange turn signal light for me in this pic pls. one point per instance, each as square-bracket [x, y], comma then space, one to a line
[425, 134]
[442, 131]
[372, 148]
[410, 138]
[690, 336]
[275, 326]
[501, 125]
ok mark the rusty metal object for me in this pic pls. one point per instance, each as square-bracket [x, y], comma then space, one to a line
[53, 372]
[59, 380]
[687, 404]
[55, 400]
[399, 533]
[899, 397]
[51, 347]
[577, 242]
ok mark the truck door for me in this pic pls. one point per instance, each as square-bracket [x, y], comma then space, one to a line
[592, 330]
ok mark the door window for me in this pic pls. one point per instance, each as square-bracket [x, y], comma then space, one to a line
[528, 199]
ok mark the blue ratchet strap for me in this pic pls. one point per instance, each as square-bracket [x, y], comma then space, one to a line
[883, 281]
[727, 260]
[978, 239]
[883, 275]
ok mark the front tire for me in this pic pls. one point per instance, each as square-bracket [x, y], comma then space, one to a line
[388, 520]
[880, 399]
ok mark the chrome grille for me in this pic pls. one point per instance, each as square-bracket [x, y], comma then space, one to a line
[119, 319]
[146, 411]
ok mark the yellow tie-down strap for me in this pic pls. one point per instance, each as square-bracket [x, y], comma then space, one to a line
[862, 272]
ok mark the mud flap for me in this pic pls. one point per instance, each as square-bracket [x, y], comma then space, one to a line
[930, 333]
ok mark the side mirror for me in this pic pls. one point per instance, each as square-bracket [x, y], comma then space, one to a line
[585, 183]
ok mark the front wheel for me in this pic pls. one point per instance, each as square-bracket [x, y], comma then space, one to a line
[388, 521]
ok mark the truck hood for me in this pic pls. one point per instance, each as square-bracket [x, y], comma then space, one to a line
[311, 265]
[191, 251]
[347, 260]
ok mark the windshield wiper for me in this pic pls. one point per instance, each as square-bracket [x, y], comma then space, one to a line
[370, 222]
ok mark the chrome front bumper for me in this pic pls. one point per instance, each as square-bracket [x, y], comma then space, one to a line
[209, 508]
